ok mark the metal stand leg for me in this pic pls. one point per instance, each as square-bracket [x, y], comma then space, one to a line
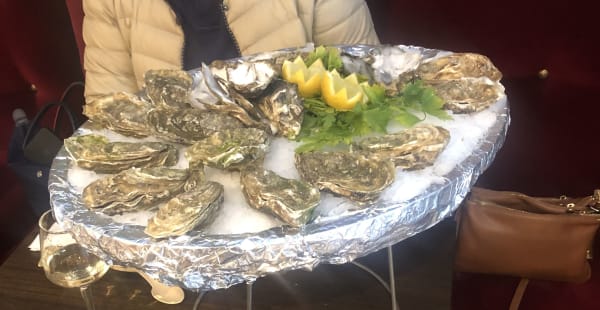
[198, 300]
[249, 296]
[392, 277]
[391, 287]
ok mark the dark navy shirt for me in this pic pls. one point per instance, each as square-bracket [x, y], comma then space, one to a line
[207, 36]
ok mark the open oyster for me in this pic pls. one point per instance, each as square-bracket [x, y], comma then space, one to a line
[353, 175]
[138, 188]
[229, 149]
[249, 78]
[121, 112]
[410, 149]
[284, 109]
[394, 66]
[187, 126]
[467, 95]
[96, 153]
[184, 212]
[290, 200]
[213, 93]
[168, 87]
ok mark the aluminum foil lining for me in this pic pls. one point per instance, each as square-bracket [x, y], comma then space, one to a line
[197, 261]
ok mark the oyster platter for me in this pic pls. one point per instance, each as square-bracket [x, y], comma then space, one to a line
[280, 160]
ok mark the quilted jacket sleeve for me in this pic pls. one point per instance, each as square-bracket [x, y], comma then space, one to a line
[107, 61]
[343, 22]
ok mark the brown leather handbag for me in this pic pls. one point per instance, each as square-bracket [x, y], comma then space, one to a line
[509, 233]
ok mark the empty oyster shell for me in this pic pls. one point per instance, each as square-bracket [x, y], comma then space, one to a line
[187, 126]
[249, 78]
[290, 200]
[184, 212]
[467, 95]
[229, 149]
[457, 66]
[121, 112]
[138, 188]
[410, 149]
[284, 109]
[168, 87]
[96, 153]
[352, 175]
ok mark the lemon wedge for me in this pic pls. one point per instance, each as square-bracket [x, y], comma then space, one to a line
[341, 93]
[308, 79]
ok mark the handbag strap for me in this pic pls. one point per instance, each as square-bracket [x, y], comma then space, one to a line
[516, 200]
[62, 106]
[43, 112]
[518, 295]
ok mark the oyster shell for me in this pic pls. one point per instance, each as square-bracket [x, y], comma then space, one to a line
[458, 65]
[97, 153]
[213, 93]
[353, 175]
[394, 66]
[229, 149]
[121, 112]
[184, 212]
[290, 200]
[138, 188]
[467, 95]
[187, 126]
[284, 109]
[168, 87]
[361, 60]
[467, 82]
[249, 78]
[410, 149]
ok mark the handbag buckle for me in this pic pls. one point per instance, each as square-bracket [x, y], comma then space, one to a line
[595, 204]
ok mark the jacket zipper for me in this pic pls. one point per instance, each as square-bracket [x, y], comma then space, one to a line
[224, 8]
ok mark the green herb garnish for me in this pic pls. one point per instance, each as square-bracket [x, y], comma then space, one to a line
[330, 56]
[324, 126]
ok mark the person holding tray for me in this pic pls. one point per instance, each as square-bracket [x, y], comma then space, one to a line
[125, 38]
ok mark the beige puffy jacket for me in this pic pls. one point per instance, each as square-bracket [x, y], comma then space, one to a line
[125, 38]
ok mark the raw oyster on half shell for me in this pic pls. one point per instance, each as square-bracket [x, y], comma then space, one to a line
[194, 208]
[168, 87]
[249, 78]
[138, 188]
[353, 175]
[97, 153]
[121, 112]
[410, 149]
[190, 125]
[229, 149]
[290, 200]
[283, 107]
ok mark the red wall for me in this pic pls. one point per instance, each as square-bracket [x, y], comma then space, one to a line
[37, 47]
[550, 147]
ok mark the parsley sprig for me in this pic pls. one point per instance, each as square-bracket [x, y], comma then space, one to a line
[324, 126]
